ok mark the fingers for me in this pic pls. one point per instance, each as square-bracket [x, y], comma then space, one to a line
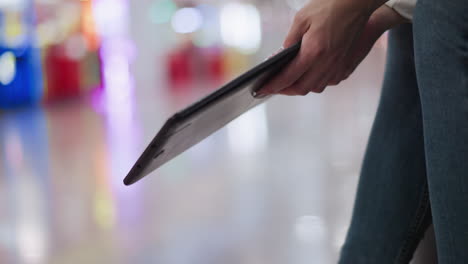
[310, 53]
[299, 65]
[298, 90]
[311, 81]
[294, 90]
[288, 76]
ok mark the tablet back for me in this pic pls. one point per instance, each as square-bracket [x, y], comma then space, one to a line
[198, 121]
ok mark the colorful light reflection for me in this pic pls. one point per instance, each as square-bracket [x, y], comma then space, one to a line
[116, 50]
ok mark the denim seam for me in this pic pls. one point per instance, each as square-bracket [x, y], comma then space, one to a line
[416, 232]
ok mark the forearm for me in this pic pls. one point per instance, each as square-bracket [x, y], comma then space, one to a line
[385, 18]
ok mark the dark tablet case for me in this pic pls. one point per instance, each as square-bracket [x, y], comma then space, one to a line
[198, 121]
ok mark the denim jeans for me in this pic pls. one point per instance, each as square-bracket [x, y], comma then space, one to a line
[416, 166]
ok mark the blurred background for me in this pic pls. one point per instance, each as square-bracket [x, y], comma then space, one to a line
[85, 85]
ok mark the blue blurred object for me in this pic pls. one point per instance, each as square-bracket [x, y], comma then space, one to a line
[26, 87]
[21, 82]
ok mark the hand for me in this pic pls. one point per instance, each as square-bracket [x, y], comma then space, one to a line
[380, 21]
[330, 31]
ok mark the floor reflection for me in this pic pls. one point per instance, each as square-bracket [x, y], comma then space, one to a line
[25, 186]
[275, 186]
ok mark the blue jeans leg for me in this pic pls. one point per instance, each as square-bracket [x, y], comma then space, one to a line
[392, 210]
[441, 57]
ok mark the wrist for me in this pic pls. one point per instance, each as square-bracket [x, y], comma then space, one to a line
[384, 18]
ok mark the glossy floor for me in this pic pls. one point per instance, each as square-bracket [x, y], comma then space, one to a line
[275, 186]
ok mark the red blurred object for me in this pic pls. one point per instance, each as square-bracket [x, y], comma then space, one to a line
[179, 70]
[191, 67]
[63, 74]
[215, 66]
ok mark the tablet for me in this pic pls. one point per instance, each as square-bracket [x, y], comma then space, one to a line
[198, 121]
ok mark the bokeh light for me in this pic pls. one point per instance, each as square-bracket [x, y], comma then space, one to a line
[110, 17]
[162, 11]
[187, 20]
[76, 47]
[240, 27]
[209, 33]
[7, 67]
[12, 4]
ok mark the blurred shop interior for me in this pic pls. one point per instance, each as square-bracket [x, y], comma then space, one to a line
[86, 84]
[52, 50]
